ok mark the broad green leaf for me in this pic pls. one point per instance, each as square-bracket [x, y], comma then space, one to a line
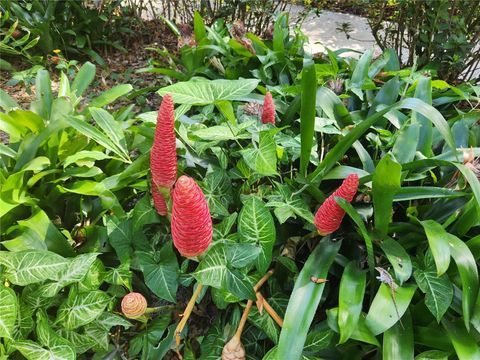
[333, 107]
[120, 236]
[214, 271]
[81, 308]
[265, 323]
[318, 340]
[383, 312]
[98, 334]
[406, 144]
[143, 213]
[224, 132]
[307, 113]
[24, 321]
[360, 73]
[25, 119]
[80, 342]
[111, 128]
[7, 103]
[399, 258]
[83, 79]
[108, 320]
[32, 266]
[438, 290]
[467, 267]
[199, 27]
[40, 232]
[355, 216]
[110, 95]
[256, 226]
[387, 94]
[438, 242]
[217, 188]
[8, 311]
[160, 272]
[93, 133]
[46, 336]
[305, 299]
[398, 341]
[43, 93]
[226, 108]
[33, 351]
[465, 345]
[432, 355]
[350, 299]
[238, 283]
[204, 92]
[262, 159]
[339, 150]
[423, 91]
[76, 270]
[85, 158]
[290, 207]
[361, 332]
[385, 183]
[425, 192]
[241, 255]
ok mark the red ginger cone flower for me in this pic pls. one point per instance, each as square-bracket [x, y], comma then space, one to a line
[268, 114]
[329, 215]
[163, 157]
[134, 305]
[191, 223]
[159, 201]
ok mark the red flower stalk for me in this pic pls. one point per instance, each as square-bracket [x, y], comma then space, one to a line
[329, 215]
[268, 114]
[163, 157]
[159, 201]
[191, 223]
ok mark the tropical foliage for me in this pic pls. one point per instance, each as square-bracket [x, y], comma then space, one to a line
[397, 280]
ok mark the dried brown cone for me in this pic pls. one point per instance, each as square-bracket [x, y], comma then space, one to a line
[233, 350]
[252, 108]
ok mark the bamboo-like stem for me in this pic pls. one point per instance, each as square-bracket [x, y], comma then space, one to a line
[185, 316]
[269, 309]
[243, 320]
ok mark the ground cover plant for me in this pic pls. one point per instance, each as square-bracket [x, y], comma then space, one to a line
[276, 206]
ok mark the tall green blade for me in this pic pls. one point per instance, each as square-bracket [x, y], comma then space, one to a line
[304, 300]
[307, 113]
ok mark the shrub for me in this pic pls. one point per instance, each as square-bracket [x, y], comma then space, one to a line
[78, 28]
[439, 33]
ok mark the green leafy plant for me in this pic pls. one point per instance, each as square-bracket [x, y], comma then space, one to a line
[59, 290]
[268, 284]
[77, 28]
[440, 34]
[14, 42]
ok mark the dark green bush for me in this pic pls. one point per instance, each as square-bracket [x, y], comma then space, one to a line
[442, 33]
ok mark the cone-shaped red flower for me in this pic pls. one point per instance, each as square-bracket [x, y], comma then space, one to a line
[268, 114]
[329, 215]
[191, 222]
[159, 201]
[163, 157]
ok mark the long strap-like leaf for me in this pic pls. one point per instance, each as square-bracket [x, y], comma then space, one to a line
[304, 300]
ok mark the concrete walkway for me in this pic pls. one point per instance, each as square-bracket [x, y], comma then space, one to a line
[322, 32]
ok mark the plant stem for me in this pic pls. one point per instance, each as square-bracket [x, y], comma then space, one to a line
[269, 309]
[185, 316]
